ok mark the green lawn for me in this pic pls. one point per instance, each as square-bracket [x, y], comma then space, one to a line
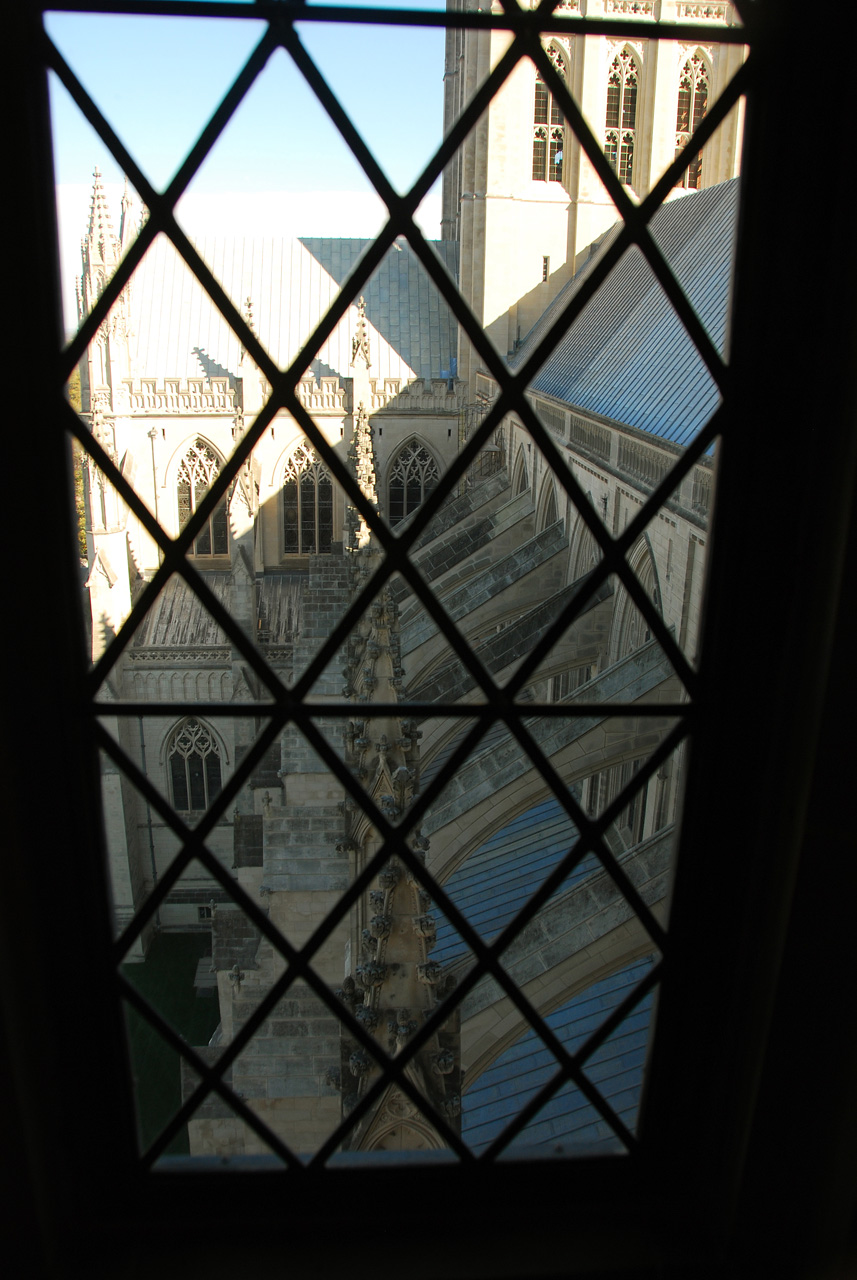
[166, 980]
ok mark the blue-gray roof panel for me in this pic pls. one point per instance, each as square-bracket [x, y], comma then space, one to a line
[628, 356]
[502, 1090]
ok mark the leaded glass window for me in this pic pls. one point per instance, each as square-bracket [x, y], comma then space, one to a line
[198, 468]
[307, 505]
[692, 106]
[621, 118]
[194, 766]
[548, 130]
[412, 479]
[85, 1145]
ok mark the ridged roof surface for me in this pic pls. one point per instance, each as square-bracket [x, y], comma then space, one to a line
[179, 618]
[627, 356]
[402, 303]
[494, 883]
[568, 1119]
[178, 332]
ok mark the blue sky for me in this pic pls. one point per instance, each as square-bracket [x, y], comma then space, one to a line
[280, 167]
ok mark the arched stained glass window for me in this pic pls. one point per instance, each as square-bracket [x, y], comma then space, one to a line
[198, 468]
[692, 106]
[548, 129]
[412, 479]
[620, 125]
[307, 505]
[194, 766]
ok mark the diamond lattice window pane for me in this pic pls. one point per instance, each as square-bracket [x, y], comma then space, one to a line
[441, 509]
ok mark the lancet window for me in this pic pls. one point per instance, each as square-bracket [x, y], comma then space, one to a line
[692, 106]
[197, 471]
[194, 766]
[548, 129]
[412, 479]
[620, 125]
[307, 505]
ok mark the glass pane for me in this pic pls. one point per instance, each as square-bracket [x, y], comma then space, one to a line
[395, 823]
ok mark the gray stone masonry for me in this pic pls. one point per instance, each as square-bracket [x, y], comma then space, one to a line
[247, 836]
[292, 1051]
[487, 585]
[213, 1108]
[458, 508]
[296, 754]
[485, 775]
[325, 598]
[501, 650]
[266, 774]
[300, 849]
[234, 939]
[447, 544]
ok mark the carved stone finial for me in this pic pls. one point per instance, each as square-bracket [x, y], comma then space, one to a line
[371, 974]
[389, 877]
[444, 1063]
[359, 1063]
[380, 926]
[425, 927]
[247, 316]
[236, 977]
[430, 973]
[360, 341]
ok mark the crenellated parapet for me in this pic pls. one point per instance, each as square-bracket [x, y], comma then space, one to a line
[423, 395]
[175, 395]
[325, 395]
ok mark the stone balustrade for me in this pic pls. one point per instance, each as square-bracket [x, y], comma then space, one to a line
[623, 452]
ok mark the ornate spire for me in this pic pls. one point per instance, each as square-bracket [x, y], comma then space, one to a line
[247, 316]
[360, 341]
[395, 986]
[102, 239]
[361, 456]
[127, 225]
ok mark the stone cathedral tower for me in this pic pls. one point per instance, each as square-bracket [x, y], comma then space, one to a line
[522, 198]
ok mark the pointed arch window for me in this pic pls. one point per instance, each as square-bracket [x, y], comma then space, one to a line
[548, 129]
[692, 106]
[620, 125]
[412, 479]
[198, 468]
[307, 505]
[193, 761]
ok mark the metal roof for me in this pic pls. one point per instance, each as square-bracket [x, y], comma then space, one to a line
[402, 303]
[627, 356]
[494, 883]
[178, 332]
[567, 1119]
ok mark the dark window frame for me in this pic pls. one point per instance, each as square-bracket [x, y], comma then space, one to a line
[548, 132]
[413, 476]
[190, 783]
[620, 134]
[213, 537]
[308, 505]
[691, 106]
[704, 1196]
